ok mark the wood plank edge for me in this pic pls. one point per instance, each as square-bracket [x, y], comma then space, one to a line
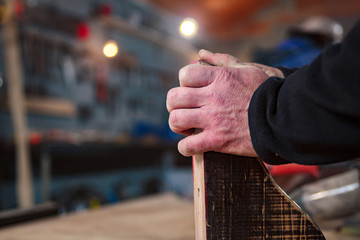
[199, 197]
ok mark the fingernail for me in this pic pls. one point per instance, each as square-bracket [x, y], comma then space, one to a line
[204, 51]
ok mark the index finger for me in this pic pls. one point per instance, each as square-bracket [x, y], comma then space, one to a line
[196, 75]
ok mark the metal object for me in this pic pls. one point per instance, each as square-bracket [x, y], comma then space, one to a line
[331, 197]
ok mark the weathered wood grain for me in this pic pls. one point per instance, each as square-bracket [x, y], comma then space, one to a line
[243, 202]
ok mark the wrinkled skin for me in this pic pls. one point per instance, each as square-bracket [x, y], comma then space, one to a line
[216, 99]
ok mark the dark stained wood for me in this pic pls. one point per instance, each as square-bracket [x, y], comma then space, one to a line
[243, 202]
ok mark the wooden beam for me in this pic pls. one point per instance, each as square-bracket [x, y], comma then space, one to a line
[14, 74]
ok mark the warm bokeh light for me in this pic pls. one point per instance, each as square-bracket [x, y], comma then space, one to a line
[188, 27]
[110, 49]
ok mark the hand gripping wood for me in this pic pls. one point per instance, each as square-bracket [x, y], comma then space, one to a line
[236, 198]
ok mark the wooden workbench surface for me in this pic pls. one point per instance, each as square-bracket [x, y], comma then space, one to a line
[162, 217]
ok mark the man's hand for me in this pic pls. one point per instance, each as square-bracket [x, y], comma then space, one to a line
[214, 99]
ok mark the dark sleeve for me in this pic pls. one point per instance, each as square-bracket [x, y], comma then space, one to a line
[312, 116]
[286, 71]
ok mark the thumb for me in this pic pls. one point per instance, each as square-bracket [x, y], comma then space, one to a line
[219, 59]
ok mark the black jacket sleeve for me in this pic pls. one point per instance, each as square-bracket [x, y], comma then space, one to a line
[313, 115]
[287, 71]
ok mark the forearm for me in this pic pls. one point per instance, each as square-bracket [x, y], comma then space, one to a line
[312, 117]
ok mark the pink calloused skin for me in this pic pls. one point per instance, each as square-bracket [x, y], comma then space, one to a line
[215, 99]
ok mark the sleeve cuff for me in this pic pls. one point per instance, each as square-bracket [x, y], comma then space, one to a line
[262, 105]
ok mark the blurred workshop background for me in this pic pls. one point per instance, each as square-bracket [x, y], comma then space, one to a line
[83, 84]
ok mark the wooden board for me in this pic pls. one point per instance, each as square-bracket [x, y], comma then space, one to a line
[161, 217]
[241, 201]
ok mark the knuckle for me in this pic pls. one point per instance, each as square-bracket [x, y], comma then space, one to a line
[183, 73]
[217, 141]
[169, 100]
[171, 95]
[228, 72]
[186, 94]
[172, 98]
[227, 76]
[173, 118]
[185, 148]
[220, 141]
[189, 148]
[216, 98]
[201, 146]
[222, 73]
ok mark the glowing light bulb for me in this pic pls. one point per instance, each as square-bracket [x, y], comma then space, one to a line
[188, 27]
[110, 49]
